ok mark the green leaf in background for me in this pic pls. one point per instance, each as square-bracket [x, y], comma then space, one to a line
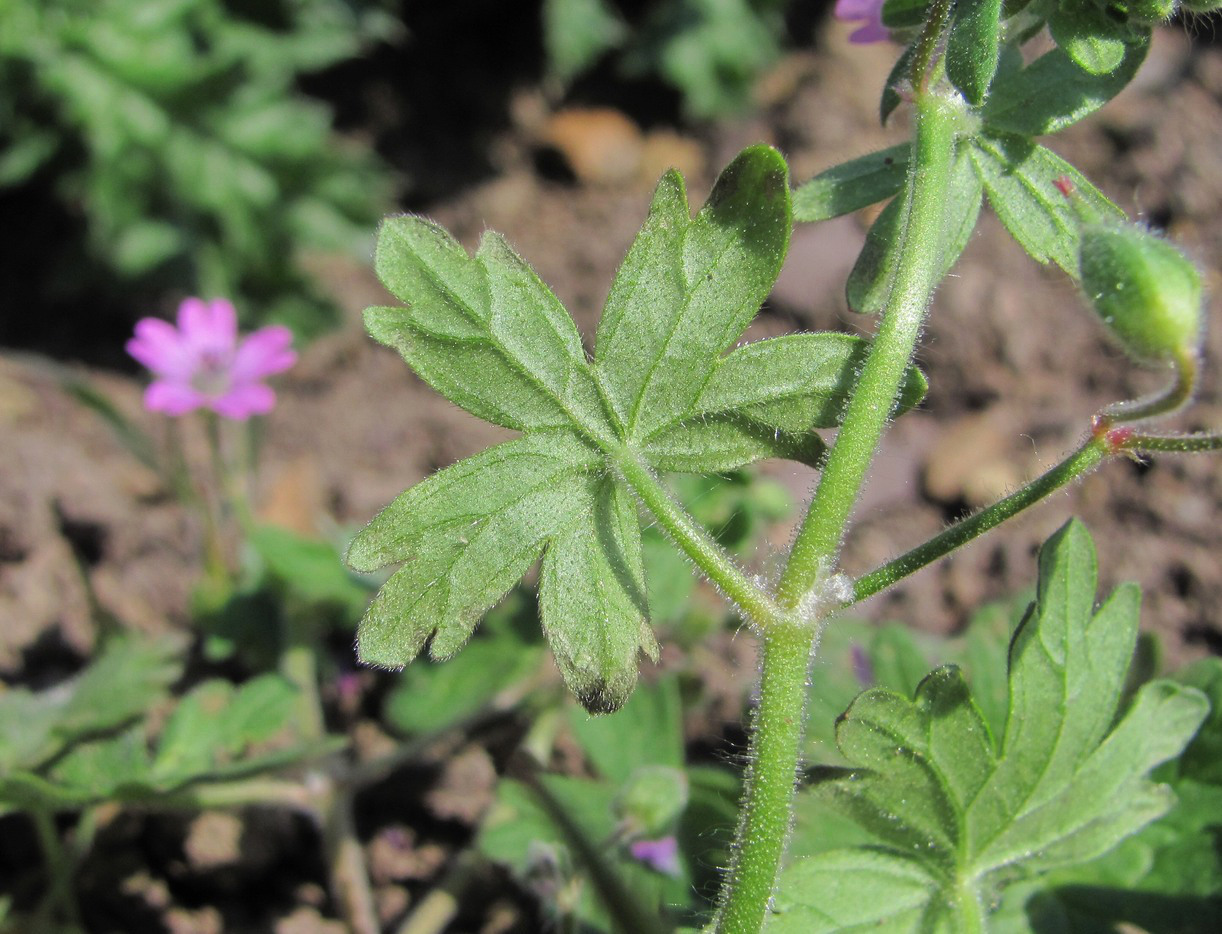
[852, 185]
[188, 148]
[214, 727]
[1202, 760]
[972, 48]
[870, 279]
[430, 697]
[647, 731]
[215, 733]
[576, 33]
[129, 676]
[711, 50]
[953, 813]
[1021, 179]
[540, 833]
[574, 829]
[1054, 91]
[309, 568]
[489, 335]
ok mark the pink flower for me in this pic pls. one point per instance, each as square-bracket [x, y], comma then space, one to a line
[202, 364]
[869, 13]
[659, 855]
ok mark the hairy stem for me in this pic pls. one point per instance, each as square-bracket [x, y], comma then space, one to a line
[777, 730]
[1174, 444]
[713, 560]
[1171, 399]
[1085, 459]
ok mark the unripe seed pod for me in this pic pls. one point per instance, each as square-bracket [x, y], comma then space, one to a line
[1145, 290]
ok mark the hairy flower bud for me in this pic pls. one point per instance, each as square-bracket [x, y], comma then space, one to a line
[1145, 290]
[1142, 11]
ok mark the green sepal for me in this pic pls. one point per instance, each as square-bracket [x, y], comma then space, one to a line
[1054, 92]
[1095, 41]
[1021, 180]
[870, 279]
[852, 185]
[973, 46]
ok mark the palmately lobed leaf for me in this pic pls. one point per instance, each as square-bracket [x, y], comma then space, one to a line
[944, 802]
[488, 334]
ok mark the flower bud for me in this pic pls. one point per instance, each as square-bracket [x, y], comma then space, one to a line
[1145, 290]
[1143, 11]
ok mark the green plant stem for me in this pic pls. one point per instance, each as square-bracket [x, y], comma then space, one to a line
[299, 652]
[1174, 444]
[713, 560]
[1171, 399]
[273, 792]
[59, 903]
[628, 915]
[919, 253]
[349, 879]
[764, 828]
[1081, 461]
[970, 912]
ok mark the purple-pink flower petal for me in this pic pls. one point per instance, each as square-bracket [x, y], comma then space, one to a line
[201, 363]
[661, 855]
[263, 353]
[209, 327]
[869, 13]
[172, 397]
[159, 347]
[243, 401]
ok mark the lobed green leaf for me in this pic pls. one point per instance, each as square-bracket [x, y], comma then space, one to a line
[857, 890]
[128, 676]
[1068, 782]
[488, 334]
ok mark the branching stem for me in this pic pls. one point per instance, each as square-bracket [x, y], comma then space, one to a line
[776, 737]
[1084, 459]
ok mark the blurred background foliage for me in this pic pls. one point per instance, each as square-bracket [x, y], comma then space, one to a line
[151, 149]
